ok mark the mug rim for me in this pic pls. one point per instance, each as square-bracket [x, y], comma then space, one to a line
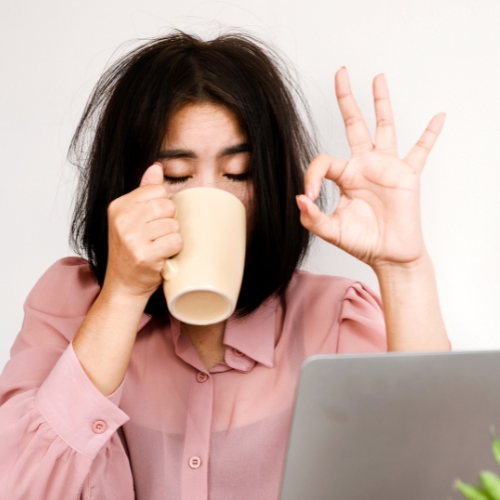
[218, 319]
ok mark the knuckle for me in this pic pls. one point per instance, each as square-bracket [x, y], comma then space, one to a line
[120, 220]
[422, 144]
[159, 191]
[154, 208]
[176, 241]
[128, 239]
[169, 208]
[317, 165]
[321, 158]
[384, 122]
[141, 258]
[343, 94]
[358, 149]
[154, 190]
[389, 150]
[350, 121]
[175, 227]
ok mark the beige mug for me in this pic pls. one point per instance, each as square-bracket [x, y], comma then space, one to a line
[202, 282]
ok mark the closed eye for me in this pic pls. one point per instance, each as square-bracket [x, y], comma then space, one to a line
[237, 177]
[232, 177]
[175, 180]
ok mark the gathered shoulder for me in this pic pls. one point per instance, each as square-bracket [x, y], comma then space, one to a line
[67, 289]
[316, 289]
[338, 314]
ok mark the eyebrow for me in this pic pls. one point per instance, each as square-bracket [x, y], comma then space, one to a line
[173, 154]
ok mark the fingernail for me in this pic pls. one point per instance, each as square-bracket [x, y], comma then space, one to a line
[301, 204]
[310, 191]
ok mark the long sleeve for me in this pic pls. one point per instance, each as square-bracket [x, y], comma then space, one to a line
[58, 436]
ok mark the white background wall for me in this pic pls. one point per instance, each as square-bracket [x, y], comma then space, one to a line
[438, 55]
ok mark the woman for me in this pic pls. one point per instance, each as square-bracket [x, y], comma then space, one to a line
[108, 396]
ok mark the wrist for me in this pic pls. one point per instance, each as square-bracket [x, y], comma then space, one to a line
[121, 287]
[411, 306]
[120, 297]
[411, 270]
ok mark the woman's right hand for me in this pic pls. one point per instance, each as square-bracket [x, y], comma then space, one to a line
[142, 234]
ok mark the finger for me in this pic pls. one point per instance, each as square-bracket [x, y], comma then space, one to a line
[153, 175]
[322, 167]
[161, 227]
[357, 133]
[130, 206]
[166, 246]
[385, 134]
[128, 216]
[314, 220]
[157, 208]
[418, 155]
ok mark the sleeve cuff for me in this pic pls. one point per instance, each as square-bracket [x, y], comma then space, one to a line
[81, 415]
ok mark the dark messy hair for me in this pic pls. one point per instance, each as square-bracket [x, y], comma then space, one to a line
[125, 120]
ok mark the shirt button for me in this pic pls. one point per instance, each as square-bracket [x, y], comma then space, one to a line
[201, 377]
[238, 353]
[99, 426]
[194, 462]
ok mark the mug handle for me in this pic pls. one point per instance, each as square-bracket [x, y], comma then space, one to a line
[170, 269]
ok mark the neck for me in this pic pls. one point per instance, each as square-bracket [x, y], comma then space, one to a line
[207, 340]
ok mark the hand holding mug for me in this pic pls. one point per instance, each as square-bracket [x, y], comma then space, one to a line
[143, 233]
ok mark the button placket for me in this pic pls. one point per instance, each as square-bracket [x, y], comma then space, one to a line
[197, 437]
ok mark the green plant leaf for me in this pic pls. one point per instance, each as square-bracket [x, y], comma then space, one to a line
[471, 492]
[495, 444]
[491, 484]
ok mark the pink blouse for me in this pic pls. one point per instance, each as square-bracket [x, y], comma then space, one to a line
[173, 429]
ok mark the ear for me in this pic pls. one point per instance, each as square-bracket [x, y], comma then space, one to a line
[153, 175]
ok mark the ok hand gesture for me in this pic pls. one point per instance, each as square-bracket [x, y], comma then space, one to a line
[377, 219]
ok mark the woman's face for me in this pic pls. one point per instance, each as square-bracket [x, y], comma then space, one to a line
[205, 147]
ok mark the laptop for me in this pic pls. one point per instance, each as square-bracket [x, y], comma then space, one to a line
[392, 426]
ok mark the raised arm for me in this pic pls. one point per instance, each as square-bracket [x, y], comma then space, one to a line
[377, 219]
[59, 393]
[142, 234]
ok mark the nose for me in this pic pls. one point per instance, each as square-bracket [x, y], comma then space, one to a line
[207, 177]
[212, 175]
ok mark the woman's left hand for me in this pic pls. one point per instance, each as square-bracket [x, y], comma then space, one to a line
[377, 219]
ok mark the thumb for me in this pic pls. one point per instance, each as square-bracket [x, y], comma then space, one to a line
[153, 175]
[317, 222]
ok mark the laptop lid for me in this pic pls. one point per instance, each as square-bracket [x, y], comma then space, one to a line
[392, 426]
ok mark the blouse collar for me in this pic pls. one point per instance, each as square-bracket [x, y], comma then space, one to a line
[253, 336]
